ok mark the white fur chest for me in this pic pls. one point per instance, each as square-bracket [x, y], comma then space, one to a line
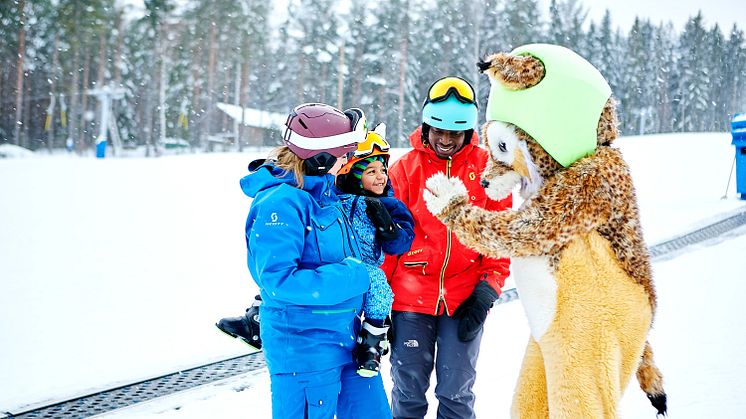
[537, 289]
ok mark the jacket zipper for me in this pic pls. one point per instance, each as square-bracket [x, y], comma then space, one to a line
[340, 311]
[441, 295]
[349, 232]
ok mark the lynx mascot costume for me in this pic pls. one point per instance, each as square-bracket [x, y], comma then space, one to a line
[579, 260]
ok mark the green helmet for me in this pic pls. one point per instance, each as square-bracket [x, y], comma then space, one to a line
[561, 112]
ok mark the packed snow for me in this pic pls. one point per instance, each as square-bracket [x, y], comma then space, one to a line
[116, 270]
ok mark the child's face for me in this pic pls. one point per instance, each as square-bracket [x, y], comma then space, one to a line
[374, 177]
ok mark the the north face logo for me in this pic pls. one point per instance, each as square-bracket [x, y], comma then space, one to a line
[411, 343]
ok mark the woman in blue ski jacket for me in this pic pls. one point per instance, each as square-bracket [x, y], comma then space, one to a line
[303, 255]
[383, 225]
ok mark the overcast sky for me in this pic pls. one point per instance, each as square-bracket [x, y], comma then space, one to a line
[623, 12]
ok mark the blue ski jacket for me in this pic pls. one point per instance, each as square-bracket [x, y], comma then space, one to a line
[303, 255]
[379, 298]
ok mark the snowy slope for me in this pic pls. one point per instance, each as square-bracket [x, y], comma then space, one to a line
[115, 270]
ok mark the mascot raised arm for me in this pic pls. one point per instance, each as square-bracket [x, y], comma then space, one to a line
[579, 260]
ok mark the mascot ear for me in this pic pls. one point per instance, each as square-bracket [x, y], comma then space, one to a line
[516, 72]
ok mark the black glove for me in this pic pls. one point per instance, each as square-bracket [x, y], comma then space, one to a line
[472, 313]
[380, 218]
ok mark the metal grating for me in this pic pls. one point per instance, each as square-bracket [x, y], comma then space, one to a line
[711, 231]
[128, 395]
[667, 248]
[108, 400]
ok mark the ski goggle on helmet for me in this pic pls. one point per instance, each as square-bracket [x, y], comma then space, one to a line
[375, 144]
[451, 104]
[320, 133]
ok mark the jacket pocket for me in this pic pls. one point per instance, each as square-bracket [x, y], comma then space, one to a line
[322, 400]
[329, 236]
[419, 265]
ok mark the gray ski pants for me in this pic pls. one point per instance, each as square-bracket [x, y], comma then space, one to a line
[420, 342]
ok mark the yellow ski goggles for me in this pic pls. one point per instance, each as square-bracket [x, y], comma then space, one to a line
[441, 89]
[374, 145]
[372, 141]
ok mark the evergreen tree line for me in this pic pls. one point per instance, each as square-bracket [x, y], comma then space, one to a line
[183, 57]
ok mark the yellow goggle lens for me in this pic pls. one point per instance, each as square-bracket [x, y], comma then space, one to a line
[371, 140]
[442, 87]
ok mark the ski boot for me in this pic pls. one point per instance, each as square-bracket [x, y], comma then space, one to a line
[245, 327]
[371, 345]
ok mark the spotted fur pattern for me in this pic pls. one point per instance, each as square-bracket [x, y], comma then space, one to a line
[594, 194]
[515, 71]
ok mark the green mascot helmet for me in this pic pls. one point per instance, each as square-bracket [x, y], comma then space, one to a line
[561, 112]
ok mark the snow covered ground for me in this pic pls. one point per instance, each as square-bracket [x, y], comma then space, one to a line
[115, 270]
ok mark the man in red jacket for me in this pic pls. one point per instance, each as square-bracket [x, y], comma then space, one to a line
[442, 289]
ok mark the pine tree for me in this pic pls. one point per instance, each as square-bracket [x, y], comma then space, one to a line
[693, 85]
[314, 32]
[665, 54]
[734, 73]
[716, 119]
[642, 64]
[522, 22]
[566, 18]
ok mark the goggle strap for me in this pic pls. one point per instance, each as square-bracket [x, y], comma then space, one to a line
[324, 143]
[366, 153]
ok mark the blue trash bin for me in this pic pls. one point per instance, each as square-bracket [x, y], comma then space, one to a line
[738, 131]
[101, 149]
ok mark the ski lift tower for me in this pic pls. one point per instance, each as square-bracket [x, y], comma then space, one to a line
[106, 95]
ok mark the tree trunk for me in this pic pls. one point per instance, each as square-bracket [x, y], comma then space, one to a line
[53, 89]
[26, 121]
[341, 76]
[212, 55]
[118, 54]
[403, 58]
[324, 81]
[244, 99]
[357, 74]
[100, 78]
[19, 71]
[226, 98]
[148, 126]
[196, 94]
[117, 73]
[2, 85]
[72, 126]
[302, 78]
[163, 83]
[83, 127]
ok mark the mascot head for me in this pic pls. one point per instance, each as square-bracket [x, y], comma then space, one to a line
[548, 108]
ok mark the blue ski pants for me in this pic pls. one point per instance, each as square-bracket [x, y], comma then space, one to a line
[322, 394]
[420, 342]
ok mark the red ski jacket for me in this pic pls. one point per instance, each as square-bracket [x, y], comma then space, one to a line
[438, 272]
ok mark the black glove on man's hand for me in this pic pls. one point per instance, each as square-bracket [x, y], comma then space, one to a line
[380, 218]
[472, 313]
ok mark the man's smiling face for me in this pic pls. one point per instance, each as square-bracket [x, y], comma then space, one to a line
[445, 143]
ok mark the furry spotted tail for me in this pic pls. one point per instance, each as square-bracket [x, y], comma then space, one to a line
[651, 380]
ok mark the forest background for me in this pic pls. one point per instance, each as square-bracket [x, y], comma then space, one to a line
[175, 60]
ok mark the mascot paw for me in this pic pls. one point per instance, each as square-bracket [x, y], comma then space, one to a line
[500, 187]
[441, 192]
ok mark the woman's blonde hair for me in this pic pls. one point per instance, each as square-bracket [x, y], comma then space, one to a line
[289, 162]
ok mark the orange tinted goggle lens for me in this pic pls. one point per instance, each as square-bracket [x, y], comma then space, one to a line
[442, 88]
[369, 145]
